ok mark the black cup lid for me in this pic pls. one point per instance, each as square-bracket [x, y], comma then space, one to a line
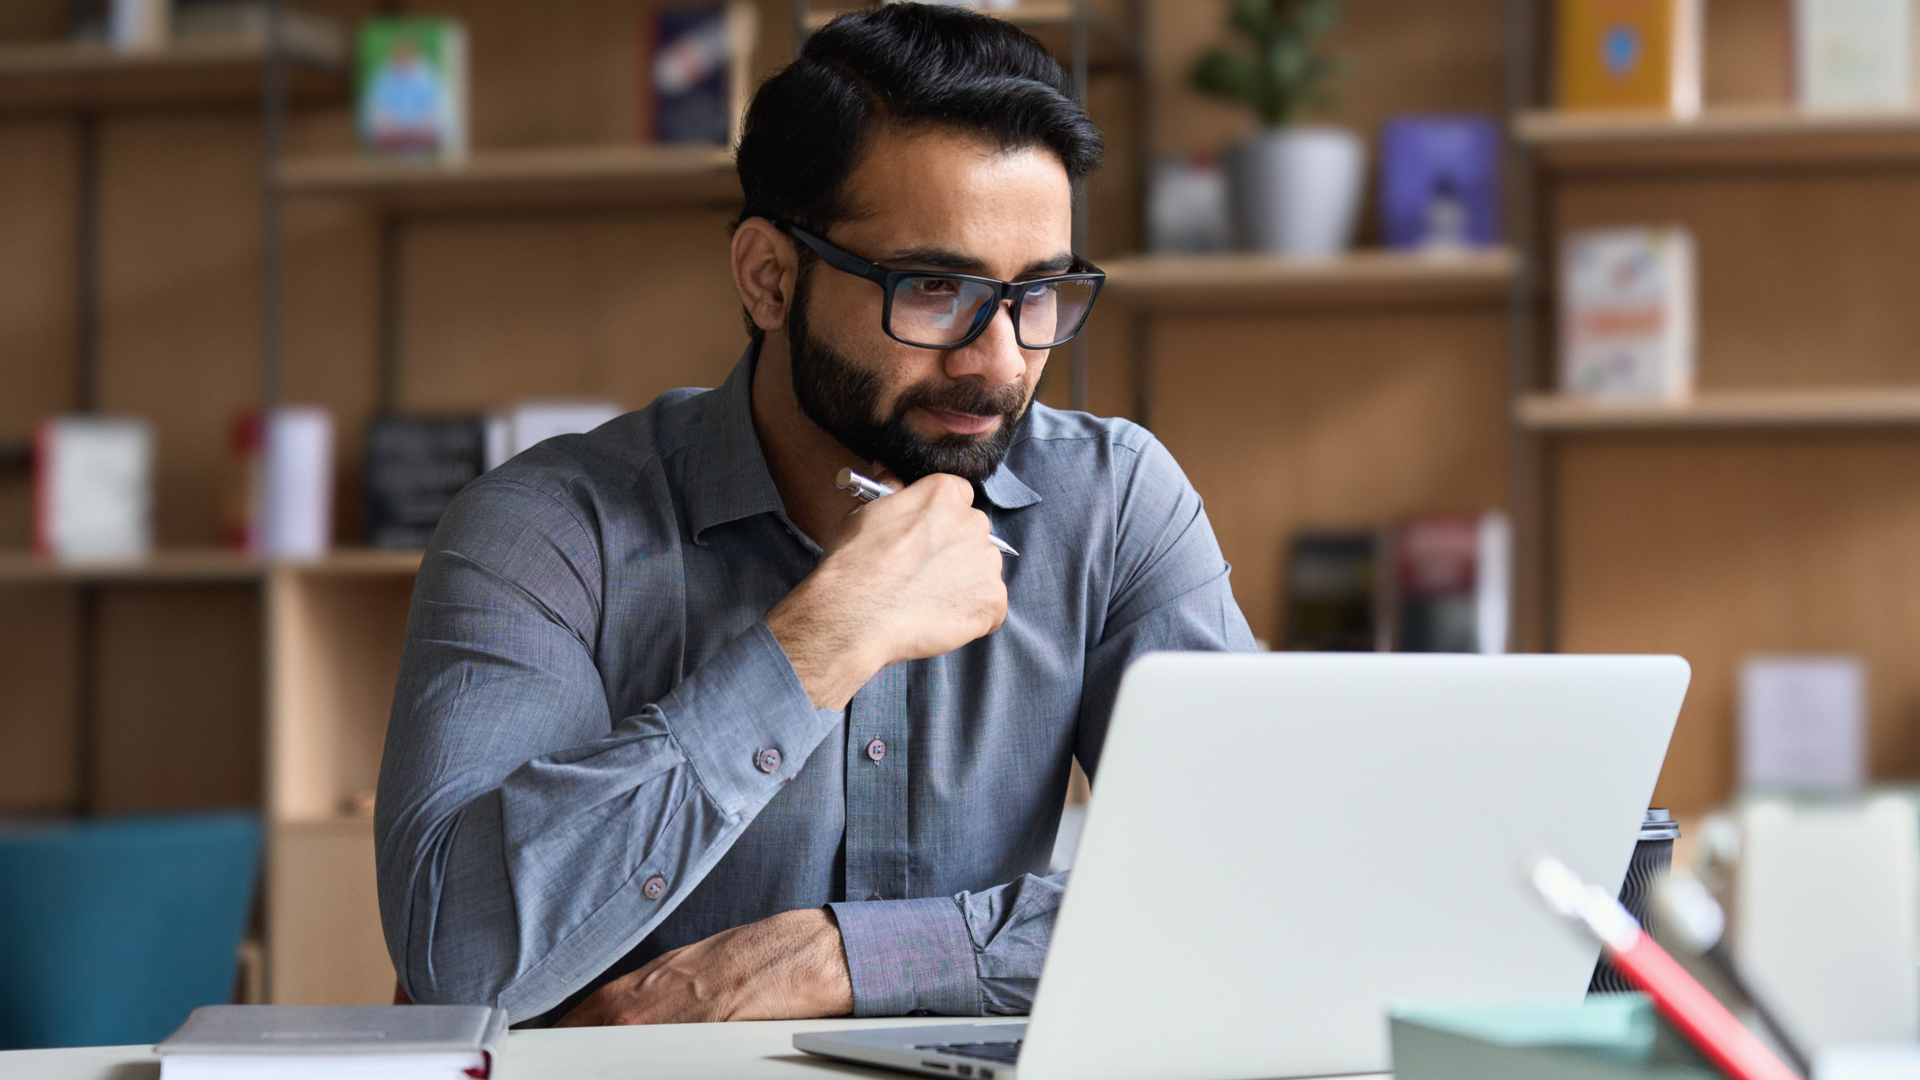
[1659, 825]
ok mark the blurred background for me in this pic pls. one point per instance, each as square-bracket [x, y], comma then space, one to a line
[1481, 325]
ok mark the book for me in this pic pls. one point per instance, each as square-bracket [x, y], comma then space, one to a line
[1187, 206]
[139, 25]
[415, 466]
[1440, 182]
[283, 500]
[1453, 578]
[1336, 593]
[531, 422]
[1629, 54]
[324, 1042]
[411, 88]
[1605, 1037]
[1852, 54]
[699, 59]
[1803, 722]
[306, 35]
[1627, 313]
[93, 488]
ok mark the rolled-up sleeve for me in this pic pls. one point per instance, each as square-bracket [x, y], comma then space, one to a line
[974, 954]
[525, 835]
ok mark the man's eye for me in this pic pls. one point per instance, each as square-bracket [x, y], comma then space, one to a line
[935, 287]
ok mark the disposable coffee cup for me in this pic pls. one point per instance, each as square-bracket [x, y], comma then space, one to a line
[1652, 858]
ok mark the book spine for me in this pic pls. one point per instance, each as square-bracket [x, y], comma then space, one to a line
[454, 149]
[1685, 63]
[46, 440]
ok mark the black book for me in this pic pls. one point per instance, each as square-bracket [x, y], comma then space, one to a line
[415, 466]
[1335, 592]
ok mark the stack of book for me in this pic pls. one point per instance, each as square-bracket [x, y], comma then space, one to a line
[1441, 583]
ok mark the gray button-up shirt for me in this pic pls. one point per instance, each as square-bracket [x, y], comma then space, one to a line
[598, 751]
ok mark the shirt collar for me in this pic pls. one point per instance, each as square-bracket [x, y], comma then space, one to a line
[1006, 491]
[727, 477]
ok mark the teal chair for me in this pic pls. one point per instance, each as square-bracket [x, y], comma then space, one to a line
[113, 929]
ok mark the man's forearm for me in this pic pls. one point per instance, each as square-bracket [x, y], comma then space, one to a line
[786, 967]
[469, 874]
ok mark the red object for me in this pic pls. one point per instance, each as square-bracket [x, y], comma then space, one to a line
[1688, 1006]
[1436, 556]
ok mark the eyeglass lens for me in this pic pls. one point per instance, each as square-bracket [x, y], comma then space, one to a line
[936, 312]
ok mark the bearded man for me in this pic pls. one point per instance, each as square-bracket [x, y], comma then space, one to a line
[683, 732]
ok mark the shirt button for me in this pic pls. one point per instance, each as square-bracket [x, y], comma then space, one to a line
[655, 888]
[877, 749]
[768, 760]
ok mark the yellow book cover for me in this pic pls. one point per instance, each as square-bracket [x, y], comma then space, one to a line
[1629, 54]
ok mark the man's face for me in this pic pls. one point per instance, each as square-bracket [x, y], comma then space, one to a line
[930, 200]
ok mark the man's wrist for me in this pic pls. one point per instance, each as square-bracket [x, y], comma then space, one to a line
[830, 658]
[819, 984]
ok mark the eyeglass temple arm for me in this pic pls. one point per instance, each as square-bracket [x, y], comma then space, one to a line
[841, 260]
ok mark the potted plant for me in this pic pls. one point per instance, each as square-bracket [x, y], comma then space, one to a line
[1295, 187]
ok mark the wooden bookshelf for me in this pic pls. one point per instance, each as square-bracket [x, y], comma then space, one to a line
[1727, 410]
[197, 566]
[495, 179]
[333, 638]
[1768, 513]
[64, 76]
[1720, 137]
[1212, 282]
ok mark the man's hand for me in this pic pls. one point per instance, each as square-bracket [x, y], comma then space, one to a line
[912, 575]
[789, 967]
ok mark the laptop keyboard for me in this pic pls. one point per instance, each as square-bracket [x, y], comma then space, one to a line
[1002, 1052]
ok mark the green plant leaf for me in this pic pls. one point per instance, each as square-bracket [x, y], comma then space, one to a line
[1286, 73]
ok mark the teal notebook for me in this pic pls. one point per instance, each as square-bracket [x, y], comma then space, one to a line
[1608, 1037]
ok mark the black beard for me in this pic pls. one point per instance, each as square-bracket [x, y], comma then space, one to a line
[844, 399]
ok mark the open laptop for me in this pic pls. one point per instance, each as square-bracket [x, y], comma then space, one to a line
[1281, 846]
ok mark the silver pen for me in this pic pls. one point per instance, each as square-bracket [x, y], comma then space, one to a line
[868, 490]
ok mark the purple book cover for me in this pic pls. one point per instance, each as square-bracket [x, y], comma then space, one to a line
[1440, 182]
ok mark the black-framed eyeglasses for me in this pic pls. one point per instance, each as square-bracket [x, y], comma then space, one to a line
[932, 310]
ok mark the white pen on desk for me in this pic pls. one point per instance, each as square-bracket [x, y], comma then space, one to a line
[868, 490]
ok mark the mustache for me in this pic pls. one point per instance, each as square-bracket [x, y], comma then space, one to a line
[1008, 400]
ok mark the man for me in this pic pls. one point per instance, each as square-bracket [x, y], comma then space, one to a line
[685, 733]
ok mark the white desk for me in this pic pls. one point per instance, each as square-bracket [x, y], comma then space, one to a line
[669, 1052]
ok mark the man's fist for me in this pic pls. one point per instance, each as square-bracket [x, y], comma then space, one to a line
[788, 967]
[911, 576]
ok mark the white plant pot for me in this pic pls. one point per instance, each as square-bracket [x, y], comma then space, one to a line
[1296, 190]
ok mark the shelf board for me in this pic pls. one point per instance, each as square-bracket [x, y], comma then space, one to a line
[361, 562]
[1759, 135]
[65, 76]
[635, 174]
[1238, 281]
[1727, 410]
[1051, 21]
[198, 566]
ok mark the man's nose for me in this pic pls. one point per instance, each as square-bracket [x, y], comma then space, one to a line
[995, 356]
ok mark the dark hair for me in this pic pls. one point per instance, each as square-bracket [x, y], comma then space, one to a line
[906, 64]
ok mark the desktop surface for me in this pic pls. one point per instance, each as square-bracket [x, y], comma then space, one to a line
[749, 1051]
[667, 1052]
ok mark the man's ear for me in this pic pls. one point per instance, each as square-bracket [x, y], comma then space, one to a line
[765, 270]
